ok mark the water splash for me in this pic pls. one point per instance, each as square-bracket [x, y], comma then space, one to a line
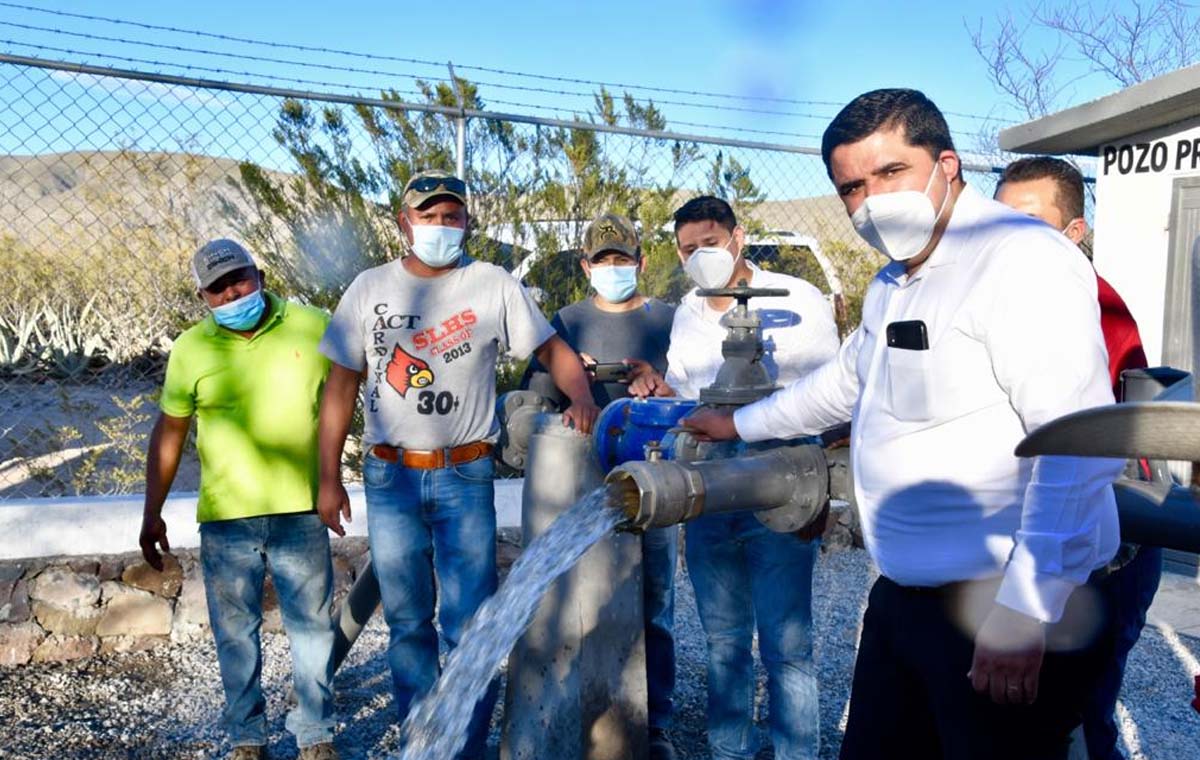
[436, 728]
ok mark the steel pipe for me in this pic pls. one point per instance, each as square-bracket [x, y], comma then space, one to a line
[1154, 517]
[351, 616]
[786, 487]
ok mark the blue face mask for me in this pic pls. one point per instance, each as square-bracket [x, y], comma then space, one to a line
[241, 314]
[437, 246]
[615, 284]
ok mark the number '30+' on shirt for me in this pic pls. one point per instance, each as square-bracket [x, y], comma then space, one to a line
[429, 346]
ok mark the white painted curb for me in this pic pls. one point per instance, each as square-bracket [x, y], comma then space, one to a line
[110, 524]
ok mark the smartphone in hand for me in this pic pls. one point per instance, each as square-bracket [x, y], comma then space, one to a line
[611, 372]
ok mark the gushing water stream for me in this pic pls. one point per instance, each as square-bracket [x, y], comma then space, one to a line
[436, 727]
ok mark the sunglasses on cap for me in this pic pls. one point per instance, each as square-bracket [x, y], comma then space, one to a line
[430, 184]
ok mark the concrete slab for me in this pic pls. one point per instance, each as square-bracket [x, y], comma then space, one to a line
[110, 524]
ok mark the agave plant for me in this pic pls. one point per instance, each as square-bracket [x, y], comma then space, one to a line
[68, 338]
[16, 334]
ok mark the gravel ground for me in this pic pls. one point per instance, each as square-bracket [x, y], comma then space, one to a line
[163, 704]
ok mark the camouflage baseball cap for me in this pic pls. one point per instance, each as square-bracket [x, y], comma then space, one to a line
[610, 232]
[431, 183]
[217, 259]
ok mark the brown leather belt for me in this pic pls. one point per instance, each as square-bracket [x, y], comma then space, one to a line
[433, 460]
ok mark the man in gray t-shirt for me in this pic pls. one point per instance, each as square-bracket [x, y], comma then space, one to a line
[640, 330]
[422, 335]
[619, 324]
[429, 346]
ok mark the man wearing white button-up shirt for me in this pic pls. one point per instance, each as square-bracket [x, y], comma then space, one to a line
[798, 330]
[747, 577]
[977, 641]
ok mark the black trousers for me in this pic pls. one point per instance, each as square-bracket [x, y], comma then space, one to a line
[911, 697]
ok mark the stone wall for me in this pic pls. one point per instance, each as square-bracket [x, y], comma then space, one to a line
[66, 608]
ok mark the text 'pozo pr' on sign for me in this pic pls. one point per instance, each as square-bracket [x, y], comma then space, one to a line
[1152, 157]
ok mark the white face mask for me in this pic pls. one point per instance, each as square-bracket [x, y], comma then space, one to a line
[437, 246]
[900, 224]
[710, 266]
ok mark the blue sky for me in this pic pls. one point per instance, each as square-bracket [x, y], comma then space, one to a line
[800, 51]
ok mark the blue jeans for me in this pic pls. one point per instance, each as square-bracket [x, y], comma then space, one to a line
[1133, 589]
[424, 524]
[745, 574]
[660, 553]
[235, 555]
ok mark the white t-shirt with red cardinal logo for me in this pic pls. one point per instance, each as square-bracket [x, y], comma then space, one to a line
[429, 347]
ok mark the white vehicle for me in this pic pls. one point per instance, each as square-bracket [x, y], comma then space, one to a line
[762, 247]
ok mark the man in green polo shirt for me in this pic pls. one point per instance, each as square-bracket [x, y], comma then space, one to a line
[251, 374]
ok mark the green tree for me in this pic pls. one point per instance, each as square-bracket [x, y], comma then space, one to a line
[856, 267]
[337, 214]
[586, 173]
[534, 189]
[730, 180]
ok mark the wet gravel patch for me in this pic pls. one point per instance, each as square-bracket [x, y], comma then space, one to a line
[165, 703]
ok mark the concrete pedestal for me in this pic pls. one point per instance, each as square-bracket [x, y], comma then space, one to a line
[577, 678]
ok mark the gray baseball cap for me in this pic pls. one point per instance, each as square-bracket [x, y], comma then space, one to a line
[218, 258]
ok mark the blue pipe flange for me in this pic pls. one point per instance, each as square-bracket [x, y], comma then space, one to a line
[627, 425]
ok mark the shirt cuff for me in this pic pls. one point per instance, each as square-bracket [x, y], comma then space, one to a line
[1042, 597]
[752, 422]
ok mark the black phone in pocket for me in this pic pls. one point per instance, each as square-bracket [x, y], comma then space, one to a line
[910, 334]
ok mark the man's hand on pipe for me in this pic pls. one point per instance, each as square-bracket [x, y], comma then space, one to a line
[581, 415]
[709, 424]
[645, 381]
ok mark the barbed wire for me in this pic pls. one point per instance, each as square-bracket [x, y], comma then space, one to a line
[680, 103]
[202, 51]
[195, 67]
[708, 126]
[559, 112]
[439, 64]
[721, 130]
[670, 122]
[378, 72]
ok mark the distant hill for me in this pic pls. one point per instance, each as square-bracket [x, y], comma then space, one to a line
[117, 190]
[50, 200]
[823, 217]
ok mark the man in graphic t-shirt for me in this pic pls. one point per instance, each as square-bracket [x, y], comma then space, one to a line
[422, 334]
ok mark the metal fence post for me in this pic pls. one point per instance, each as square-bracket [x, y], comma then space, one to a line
[460, 127]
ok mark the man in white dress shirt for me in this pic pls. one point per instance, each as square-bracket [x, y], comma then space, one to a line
[983, 635]
[747, 577]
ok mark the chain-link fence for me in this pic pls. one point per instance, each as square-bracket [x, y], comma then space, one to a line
[109, 181]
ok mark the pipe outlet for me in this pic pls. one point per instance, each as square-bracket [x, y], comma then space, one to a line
[786, 487]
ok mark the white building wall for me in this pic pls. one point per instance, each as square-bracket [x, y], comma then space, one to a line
[1133, 209]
